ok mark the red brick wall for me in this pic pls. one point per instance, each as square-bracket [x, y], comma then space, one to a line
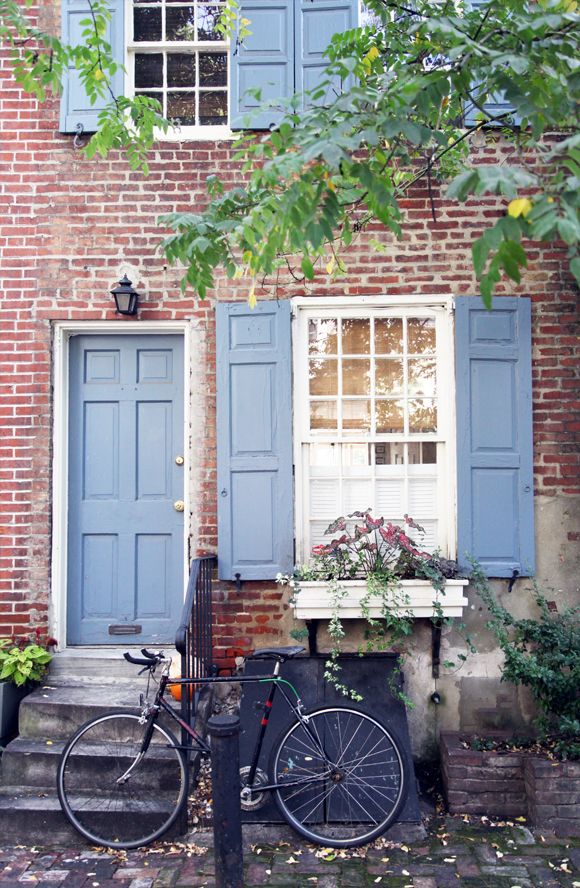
[69, 227]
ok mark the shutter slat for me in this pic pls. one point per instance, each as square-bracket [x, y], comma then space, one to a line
[254, 442]
[75, 106]
[264, 60]
[495, 517]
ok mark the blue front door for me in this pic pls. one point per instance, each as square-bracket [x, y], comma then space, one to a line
[126, 476]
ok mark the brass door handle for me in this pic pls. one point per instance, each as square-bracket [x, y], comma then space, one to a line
[179, 505]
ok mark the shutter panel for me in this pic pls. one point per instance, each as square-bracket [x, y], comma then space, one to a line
[264, 60]
[254, 441]
[496, 104]
[316, 23]
[494, 434]
[75, 106]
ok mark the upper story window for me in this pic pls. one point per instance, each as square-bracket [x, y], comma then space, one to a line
[177, 56]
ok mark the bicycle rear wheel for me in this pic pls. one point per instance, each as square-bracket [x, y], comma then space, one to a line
[341, 777]
[112, 795]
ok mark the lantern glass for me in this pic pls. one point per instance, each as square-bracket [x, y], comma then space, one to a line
[126, 298]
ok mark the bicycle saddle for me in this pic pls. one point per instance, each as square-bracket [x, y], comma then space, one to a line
[280, 654]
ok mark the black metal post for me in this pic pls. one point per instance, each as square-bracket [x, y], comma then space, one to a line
[227, 821]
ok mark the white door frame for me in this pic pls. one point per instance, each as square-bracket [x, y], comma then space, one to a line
[63, 331]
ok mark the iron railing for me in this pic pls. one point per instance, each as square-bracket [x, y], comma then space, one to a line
[194, 637]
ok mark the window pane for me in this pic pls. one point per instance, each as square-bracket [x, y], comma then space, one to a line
[146, 24]
[422, 452]
[181, 108]
[213, 69]
[322, 337]
[356, 377]
[390, 416]
[357, 495]
[389, 336]
[422, 415]
[207, 18]
[323, 414]
[389, 454]
[421, 336]
[356, 337]
[324, 498]
[422, 377]
[388, 377]
[355, 455]
[356, 415]
[148, 69]
[422, 496]
[180, 23]
[390, 498]
[323, 377]
[180, 69]
[158, 96]
[213, 108]
[324, 455]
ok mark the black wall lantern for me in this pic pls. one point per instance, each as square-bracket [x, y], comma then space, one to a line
[126, 298]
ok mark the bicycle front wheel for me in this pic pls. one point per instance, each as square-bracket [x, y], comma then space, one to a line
[340, 777]
[111, 793]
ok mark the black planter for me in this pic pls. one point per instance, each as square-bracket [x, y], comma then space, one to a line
[369, 675]
[10, 697]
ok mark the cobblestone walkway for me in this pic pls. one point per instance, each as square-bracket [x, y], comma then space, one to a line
[456, 851]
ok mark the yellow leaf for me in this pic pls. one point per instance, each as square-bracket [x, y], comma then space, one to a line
[521, 206]
[330, 266]
[252, 297]
[521, 819]
[372, 54]
[98, 75]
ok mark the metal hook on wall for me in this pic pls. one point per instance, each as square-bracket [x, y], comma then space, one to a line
[79, 130]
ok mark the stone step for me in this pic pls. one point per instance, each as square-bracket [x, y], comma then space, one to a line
[87, 666]
[54, 712]
[34, 764]
[35, 816]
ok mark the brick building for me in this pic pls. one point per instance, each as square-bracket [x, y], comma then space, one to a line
[92, 401]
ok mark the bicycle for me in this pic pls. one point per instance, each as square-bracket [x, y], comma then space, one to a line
[337, 773]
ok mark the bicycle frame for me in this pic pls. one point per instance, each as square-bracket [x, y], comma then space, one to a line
[297, 708]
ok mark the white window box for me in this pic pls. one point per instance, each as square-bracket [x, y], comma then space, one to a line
[313, 600]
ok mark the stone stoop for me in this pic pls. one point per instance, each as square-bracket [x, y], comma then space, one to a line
[78, 688]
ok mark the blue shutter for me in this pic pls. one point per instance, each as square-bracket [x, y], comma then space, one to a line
[316, 23]
[254, 440]
[496, 104]
[495, 515]
[264, 60]
[75, 106]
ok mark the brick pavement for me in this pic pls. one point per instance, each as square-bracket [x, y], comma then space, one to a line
[469, 852]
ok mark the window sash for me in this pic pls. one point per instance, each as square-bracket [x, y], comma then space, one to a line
[165, 47]
[377, 476]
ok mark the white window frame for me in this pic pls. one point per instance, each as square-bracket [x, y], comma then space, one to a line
[440, 307]
[175, 133]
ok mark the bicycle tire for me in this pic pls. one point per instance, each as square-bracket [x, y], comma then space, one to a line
[332, 800]
[141, 809]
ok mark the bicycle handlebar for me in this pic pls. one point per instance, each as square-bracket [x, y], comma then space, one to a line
[149, 659]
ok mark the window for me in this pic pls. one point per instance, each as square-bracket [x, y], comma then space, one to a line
[173, 52]
[373, 417]
[177, 56]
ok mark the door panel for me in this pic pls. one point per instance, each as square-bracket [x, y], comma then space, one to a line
[125, 539]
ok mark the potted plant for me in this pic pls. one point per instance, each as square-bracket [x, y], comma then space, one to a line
[372, 569]
[540, 773]
[23, 662]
